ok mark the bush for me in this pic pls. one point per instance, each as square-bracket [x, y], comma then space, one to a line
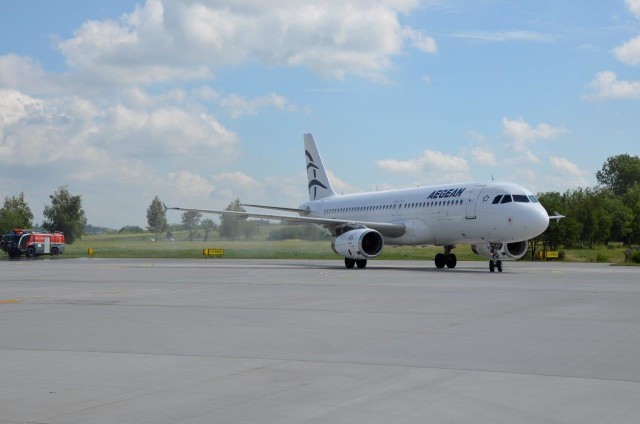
[601, 257]
[131, 229]
[635, 256]
[561, 255]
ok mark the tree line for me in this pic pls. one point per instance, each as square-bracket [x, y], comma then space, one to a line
[64, 214]
[231, 227]
[609, 212]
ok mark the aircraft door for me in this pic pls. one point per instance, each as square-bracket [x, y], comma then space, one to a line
[397, 207]
[472, 200]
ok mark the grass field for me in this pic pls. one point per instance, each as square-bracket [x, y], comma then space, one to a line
[142, 246]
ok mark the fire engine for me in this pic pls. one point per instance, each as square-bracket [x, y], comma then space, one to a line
[32, 243]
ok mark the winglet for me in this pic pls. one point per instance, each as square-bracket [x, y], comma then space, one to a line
[319, 185]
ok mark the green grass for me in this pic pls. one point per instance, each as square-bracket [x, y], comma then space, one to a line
[141, 246]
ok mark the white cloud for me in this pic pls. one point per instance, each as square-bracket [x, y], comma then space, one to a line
[484, 156]
[522, 136]
[338, 184]
[606, 85]
[166, 131]
[166, 40]
[239, 105]
[421, 41]
[634, 7]
[237, 180]
[429, 167]
[629, 52]
[566, 173]
[189, 184]
[503, 36]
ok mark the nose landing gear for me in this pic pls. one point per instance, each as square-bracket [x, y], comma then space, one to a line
[495, 262]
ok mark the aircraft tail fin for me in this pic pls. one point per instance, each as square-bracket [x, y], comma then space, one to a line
[319, 185]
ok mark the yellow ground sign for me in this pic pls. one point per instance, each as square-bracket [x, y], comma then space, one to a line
[548, 254]
[213, 252]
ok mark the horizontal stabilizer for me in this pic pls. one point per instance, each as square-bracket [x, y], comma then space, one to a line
[278, 208]
[556, 217]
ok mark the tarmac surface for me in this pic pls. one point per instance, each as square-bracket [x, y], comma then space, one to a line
[250, 341]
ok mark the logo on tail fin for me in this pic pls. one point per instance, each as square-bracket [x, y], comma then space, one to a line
[319, 184]
[314, 182]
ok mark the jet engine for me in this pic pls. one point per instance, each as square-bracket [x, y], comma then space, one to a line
[363, 243]
[507, 251]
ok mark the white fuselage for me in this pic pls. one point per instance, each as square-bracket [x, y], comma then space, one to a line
[444, 214]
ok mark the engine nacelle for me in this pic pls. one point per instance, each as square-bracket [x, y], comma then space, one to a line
[364, 243]
[508, 251]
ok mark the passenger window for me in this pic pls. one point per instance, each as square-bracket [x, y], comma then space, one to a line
[497, 199]
[506, 198]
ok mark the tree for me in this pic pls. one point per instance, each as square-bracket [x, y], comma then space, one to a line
[65, 214]
[208, 225]
[631, 200]
[231, 226]
[156, 217]
[15, 214]
[619, 173]
[190, 221]
[249, 229]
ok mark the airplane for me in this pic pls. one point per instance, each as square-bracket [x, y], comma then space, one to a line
[495, 218]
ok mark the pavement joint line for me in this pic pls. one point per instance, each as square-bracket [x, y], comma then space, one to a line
[286, 360]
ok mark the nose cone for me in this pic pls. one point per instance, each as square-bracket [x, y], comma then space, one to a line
[537, 220]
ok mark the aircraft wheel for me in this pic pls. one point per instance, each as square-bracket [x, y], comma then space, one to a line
[362, 263]
[499, 266]
[349, 263]
[451, 260]
[440, 260]
[492, 266]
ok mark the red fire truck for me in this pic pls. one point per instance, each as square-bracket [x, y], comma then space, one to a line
[32, 243]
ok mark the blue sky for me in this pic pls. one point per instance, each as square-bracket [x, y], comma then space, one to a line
[200, 102]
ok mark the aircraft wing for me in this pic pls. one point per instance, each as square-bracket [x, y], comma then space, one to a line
[387, 229]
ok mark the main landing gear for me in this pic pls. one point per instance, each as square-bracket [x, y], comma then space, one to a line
[350, 263]
[447, 258]
[495, 263]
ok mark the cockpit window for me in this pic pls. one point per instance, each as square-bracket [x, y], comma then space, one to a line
[521, 198]
[497, 199]
[533, 198]
[506, 198]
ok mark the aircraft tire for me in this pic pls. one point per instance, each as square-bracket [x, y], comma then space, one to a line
[451, 260]
[362, 263]
[492, 266]
[349, 263]
[440, 260]
[499, 266]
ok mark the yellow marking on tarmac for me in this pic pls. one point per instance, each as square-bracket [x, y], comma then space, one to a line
[7, 301]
